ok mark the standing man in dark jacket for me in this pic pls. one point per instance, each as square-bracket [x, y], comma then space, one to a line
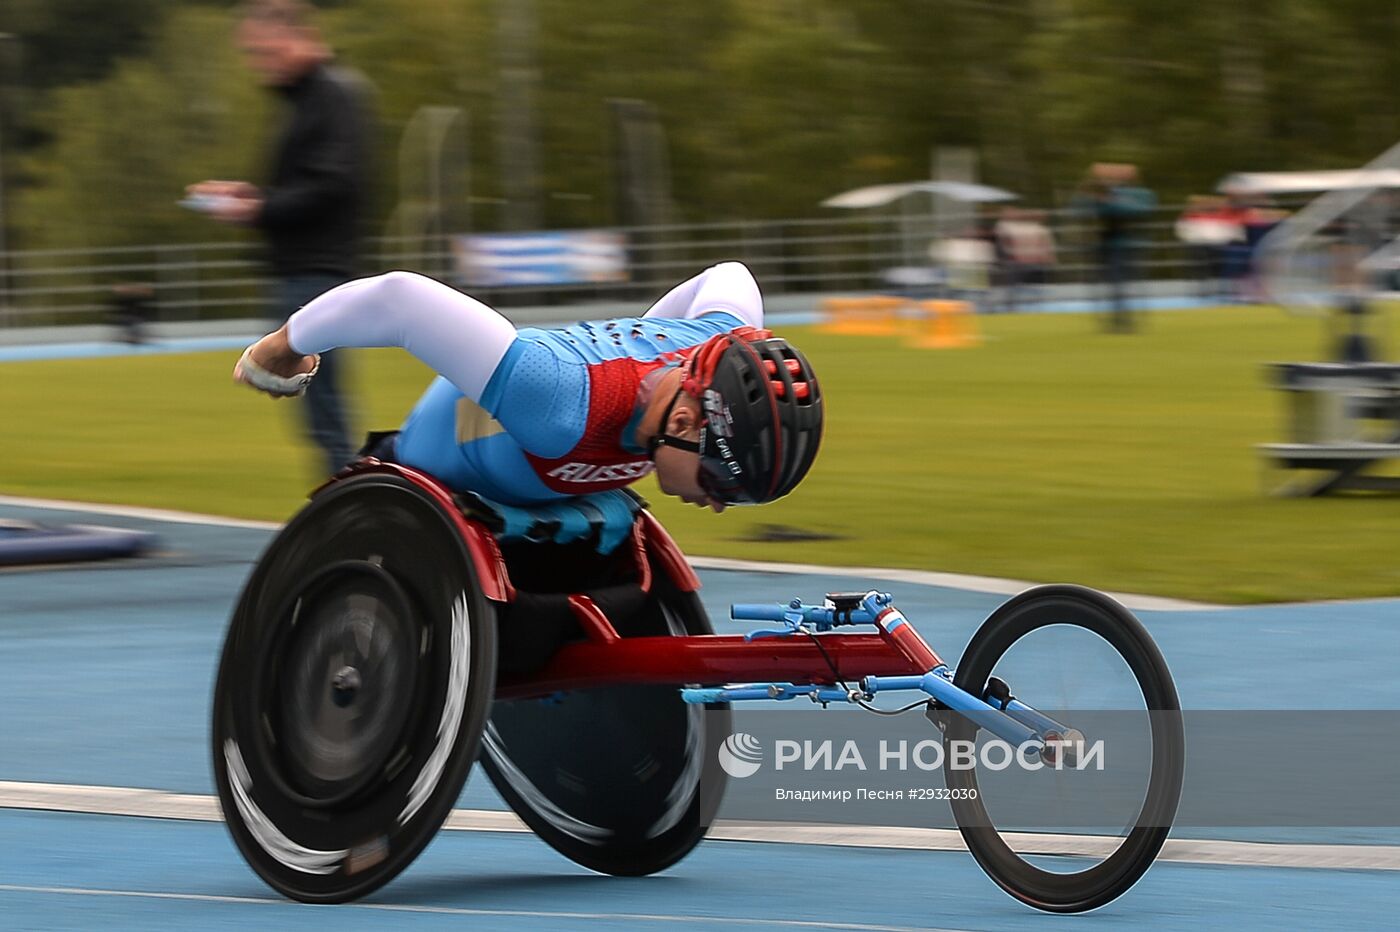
[313, 203]
[1119, 205]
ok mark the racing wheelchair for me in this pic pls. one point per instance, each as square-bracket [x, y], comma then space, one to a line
[394, 633]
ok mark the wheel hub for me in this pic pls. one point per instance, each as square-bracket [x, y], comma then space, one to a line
[345, 686]
[343, 694]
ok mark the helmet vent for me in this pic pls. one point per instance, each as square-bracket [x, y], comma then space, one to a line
[753, 390]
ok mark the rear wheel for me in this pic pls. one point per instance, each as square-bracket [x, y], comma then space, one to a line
[611, 777]
[355, 679]
[1144, 703]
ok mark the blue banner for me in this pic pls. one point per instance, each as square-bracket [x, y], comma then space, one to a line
[566, 257]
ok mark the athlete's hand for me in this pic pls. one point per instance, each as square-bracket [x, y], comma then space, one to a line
[273, 367]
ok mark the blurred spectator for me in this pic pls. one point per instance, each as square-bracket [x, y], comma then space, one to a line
[1027, 249]
[1259, 220]
[998, 268]
[1210, 226]
[967, 260]
[1112, 195]
[132, 309]
[312, 205]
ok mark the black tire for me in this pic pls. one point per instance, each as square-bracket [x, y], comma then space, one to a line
[612, 778]
[1110, 878]
[355, 680]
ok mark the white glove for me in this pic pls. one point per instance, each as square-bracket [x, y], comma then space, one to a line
[277, 386]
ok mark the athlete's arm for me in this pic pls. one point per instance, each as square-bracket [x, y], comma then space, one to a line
[460, 338]
[727, 287]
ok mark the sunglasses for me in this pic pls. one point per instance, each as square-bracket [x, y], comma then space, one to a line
[713, 476]
[719, 484]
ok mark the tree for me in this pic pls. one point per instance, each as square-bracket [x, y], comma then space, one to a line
[124, 147]
[768, 105]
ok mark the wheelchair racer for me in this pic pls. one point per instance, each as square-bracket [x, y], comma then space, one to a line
[695, 390]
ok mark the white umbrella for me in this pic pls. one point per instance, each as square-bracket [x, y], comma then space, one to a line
[881, 194]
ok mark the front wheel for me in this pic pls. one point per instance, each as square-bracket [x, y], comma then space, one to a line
[1082, 650]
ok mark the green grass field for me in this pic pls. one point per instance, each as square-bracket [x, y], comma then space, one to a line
[1052, 452]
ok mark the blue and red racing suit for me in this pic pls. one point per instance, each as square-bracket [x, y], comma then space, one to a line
[531, 415]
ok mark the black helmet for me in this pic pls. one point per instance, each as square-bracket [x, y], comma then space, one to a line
[762, 416]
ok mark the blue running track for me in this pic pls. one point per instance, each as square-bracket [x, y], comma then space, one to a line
[105, 679]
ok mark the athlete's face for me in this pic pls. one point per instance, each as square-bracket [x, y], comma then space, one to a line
[678, 472]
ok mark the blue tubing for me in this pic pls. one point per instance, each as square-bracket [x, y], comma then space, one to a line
[936, 684]
[1033, 718]
[1019, 724]
[812, 614]
[778, 691]
[700, 696]
[744, 612]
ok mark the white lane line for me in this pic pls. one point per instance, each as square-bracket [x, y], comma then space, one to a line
[1181, 850]
[158, 804]
[986, 584]
[109, 800]
[131, 511]
[469, 911]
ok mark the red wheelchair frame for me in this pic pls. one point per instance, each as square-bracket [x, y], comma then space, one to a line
[655, 699]
[604, 658]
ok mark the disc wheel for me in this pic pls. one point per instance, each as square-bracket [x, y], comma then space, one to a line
[355, 680]
[1094, 614]
[612, 777]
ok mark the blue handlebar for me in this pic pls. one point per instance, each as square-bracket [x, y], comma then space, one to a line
[810, 614]
[742, 612]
